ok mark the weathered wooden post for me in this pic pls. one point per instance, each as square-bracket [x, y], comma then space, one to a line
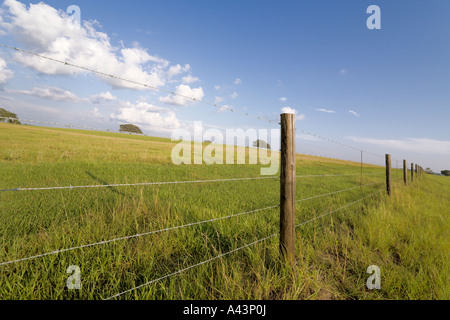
[388, 175]
[287, 190]
[412, 172]
[405, 173]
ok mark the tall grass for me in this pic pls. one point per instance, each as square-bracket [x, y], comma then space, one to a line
[406, 235]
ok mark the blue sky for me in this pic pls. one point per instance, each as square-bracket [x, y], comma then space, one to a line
[385, 91]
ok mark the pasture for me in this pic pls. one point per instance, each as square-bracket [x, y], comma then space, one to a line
[406, 235]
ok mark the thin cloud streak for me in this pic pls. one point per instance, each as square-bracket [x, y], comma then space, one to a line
[417, 145]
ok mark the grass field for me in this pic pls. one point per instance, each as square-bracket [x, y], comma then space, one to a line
[406, 235]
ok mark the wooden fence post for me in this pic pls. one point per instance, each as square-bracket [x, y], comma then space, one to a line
[388, 175]
[287, 190]
[412, 172]
[405, 173]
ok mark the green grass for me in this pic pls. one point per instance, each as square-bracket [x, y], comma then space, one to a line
[406, 235]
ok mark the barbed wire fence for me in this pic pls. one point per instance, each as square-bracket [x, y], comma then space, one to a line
[282, 179]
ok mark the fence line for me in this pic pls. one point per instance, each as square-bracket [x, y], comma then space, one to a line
[234, 250]
[231, 109]
[168, 229]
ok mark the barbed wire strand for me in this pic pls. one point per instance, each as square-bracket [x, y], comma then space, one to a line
[136, 184]
[230, 252]
[167, 182]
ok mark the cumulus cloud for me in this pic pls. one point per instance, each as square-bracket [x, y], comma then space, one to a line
[147, 115]
[183, 90]
[102, 97]
[189, 79]
[177, 69]
[283, 99]
[47, 31]
[50, 93]
[5, 73]
[237, 81]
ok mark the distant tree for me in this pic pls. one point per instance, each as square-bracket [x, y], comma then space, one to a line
[261, 144]
[429, 171]
[131, 128]
[5, 114]
[446, 172]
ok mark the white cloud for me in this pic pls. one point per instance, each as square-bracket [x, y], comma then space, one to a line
[43, 29]
[143, 114]
[354, 113]
[183, 90]
[299, 117]
[283, 99]
[418, 145]
[237, 81]
[217, 87]
[5, 73]
[177, 69]
[189, 79]
[102, 97]
[234, 95]
[51, 93]
[288, 110]
[325, 110]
